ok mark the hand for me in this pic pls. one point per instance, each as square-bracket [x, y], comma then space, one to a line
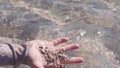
[35, 58]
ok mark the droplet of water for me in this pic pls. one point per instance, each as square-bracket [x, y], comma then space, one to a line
[100, 33]
[82, 33]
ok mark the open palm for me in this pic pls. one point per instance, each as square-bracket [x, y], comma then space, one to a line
[36, 60]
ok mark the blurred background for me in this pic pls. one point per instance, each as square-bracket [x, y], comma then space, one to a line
[94, 24]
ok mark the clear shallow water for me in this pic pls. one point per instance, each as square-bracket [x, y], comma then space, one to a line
[92, 24]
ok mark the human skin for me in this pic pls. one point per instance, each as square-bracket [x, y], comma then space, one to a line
[35, 58]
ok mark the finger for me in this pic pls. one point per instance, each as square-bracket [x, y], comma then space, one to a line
[60, 40]
[69, 47]
[72, 60]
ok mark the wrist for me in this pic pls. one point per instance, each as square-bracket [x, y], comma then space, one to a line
[24, 51]
[20, 53]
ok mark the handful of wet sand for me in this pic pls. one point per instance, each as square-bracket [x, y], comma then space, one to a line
[53, 57]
